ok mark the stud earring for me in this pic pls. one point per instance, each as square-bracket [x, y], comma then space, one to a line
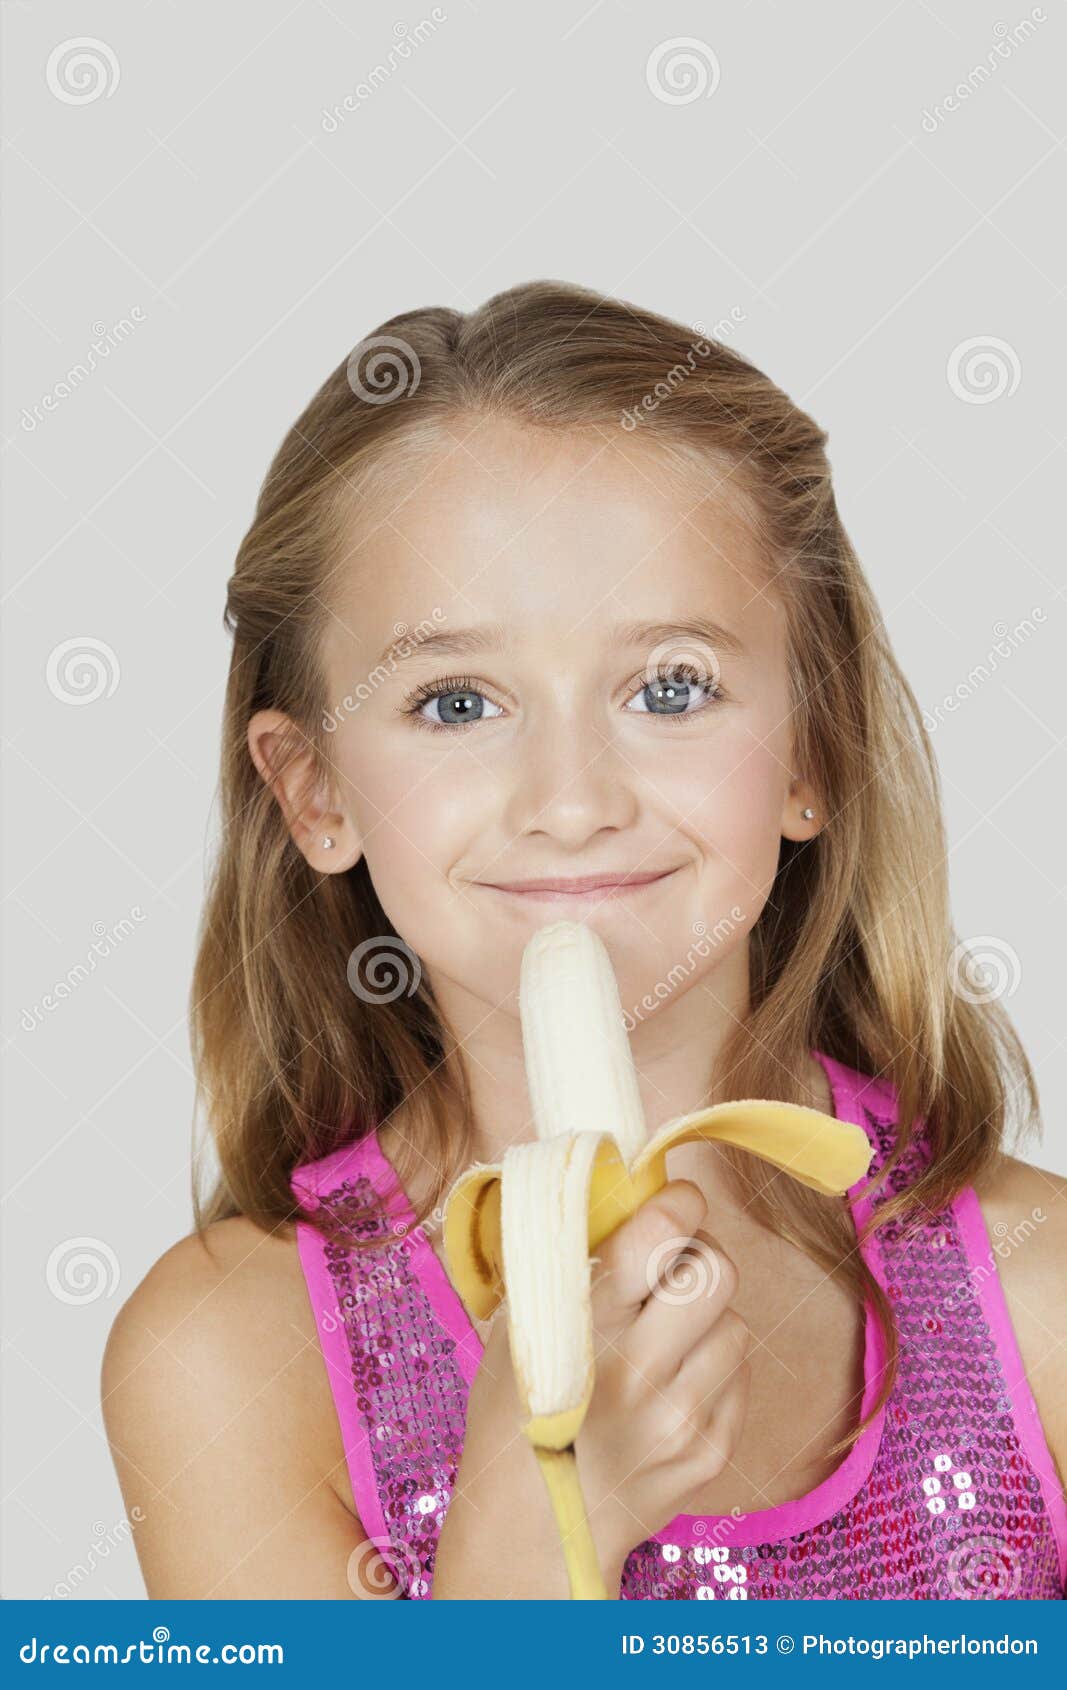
[327, 843]
[808, 814]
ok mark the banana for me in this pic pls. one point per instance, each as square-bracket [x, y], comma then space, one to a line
[526, 1228]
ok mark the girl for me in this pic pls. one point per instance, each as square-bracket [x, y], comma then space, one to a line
[547, 610]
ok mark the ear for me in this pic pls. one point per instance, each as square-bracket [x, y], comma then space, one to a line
[287, 763]
[801, 796]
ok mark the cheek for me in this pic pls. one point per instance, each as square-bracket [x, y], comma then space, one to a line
[737, 811]
[414, 815]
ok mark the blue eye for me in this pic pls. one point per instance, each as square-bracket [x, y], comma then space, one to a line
[671, 692]
[456, 708]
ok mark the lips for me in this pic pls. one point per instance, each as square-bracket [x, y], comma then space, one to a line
[579, 884]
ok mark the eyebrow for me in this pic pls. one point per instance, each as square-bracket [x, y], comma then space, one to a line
[493, 636]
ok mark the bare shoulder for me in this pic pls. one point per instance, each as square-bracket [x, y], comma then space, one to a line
[233, 1291]
[1025, 1211]
[221, 1422]
[215, 1271]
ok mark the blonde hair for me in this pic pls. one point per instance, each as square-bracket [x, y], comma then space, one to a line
[851, 953]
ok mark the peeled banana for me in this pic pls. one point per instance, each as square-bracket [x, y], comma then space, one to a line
[526, 1228]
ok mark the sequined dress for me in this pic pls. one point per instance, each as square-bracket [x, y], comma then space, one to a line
[951, 1492]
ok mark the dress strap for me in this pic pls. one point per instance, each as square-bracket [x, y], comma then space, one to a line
[334, 1294]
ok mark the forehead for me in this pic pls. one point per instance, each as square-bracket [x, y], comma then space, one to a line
[551, 533]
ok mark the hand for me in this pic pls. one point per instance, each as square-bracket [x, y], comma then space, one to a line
[672, 1375]
[667, 1407]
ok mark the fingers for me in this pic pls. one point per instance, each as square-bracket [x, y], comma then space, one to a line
[716, 1362]
[663, 1283]
[719, 1421]
[620, 1271]
[688, 1302]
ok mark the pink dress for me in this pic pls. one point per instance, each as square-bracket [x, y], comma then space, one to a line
[950, 1493]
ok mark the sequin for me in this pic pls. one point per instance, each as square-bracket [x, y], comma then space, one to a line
[951, 1507]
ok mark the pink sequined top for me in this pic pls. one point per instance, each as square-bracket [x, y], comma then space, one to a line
[951, 1492]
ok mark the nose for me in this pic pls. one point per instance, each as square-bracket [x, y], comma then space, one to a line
[568, 781]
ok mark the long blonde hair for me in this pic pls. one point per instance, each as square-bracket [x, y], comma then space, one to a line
[851, 953]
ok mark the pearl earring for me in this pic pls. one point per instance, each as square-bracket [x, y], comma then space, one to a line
[327, 843]
[808, 814]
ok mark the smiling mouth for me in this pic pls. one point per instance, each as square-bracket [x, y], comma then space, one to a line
[581, 888]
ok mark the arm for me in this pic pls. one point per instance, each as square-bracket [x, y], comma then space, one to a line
[1025, 1211]
[499, 1541]
[223, 1433]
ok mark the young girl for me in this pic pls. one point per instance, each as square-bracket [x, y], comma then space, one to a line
[547, 611]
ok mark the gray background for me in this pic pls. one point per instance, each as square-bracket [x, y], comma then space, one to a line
[198, 218]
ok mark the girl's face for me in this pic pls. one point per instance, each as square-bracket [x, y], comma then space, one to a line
[556, 659]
